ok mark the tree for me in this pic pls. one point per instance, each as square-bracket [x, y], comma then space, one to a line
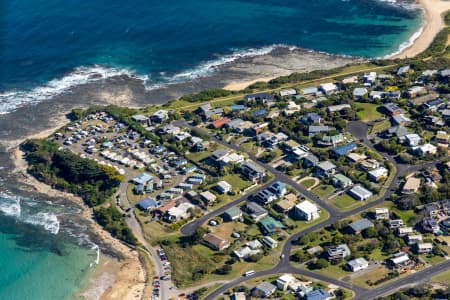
[321, 263]
[370, 232]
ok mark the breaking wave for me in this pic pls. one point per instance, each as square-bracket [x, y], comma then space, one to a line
[17, 207]
[12, 100]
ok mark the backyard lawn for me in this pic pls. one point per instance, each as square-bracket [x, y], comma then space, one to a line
[323, 190]
[307, 183]
[443, 278]
[367, 111]
[345, 202]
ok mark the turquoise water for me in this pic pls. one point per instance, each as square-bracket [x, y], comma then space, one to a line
[50, 45]
[39, 259]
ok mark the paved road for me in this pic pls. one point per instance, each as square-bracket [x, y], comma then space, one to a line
[191, 227]
[358, 130]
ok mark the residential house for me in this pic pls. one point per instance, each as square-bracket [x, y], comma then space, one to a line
[443, 138]
[259, 113]
[400, 120]
[219, 123]
[339, 252]
[357, 264]
[310, 91]
[422, 248]
[414, 239]
[318, 295]
[312, 119]
[341, 181]
[237, 107]
[278, 188]
[381, 213]
[351, 79]
[306, 211]
[141, 119]
[325, 169]
[403, 70]
[332, 140]
[343, 150]
[142, 178]
[412, 139]
[393, 109]
[259, 97]
[270, 242]
[310, 160]
[360, 225]
[252, 171]
[356, 157]
[378, 174]
[214, 242]
[269, 225]
[180, 212]
[288, 92]
[258, 128]
[370, 78]
[339, 107]
[232, 214]
[147, 204]
[328, 88]
[416, 91]
[359, 92]
[313, 130]
[249, 249]
[396, 131]
[256, 211]
[426, 149]
[396, 223]
[360, 193]
[265, 197]
[223, 187]
[160, 116]
[402, 231]
[434, 105]
[430, 225]
[411, 185]
[238, 296]
[369, 164]
[208, 197]
[400, 261]
[263, 290]
[284, 281]
[432, 209]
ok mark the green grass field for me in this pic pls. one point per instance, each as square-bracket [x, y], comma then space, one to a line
[307, 183]
[345, 202]
[442, 278]
[323, 190]
[367, 111]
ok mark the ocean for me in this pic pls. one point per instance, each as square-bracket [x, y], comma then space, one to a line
[48, 47]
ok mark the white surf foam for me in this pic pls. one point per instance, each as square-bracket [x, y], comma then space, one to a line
[12, 100]
[47, 220]
[208, 67]
[9, 205]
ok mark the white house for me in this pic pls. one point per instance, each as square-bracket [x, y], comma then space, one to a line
[427, 149]
[360, 193]
[224, 187]
[412, 139]
[328, 88]
[306, 210]
[357, 264]
[377, 174]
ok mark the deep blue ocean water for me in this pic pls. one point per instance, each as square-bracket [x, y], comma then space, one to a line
[175, 40]
[47, 46]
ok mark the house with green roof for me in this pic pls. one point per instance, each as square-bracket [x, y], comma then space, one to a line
[232, 214]
[269, 225]
[342, 181]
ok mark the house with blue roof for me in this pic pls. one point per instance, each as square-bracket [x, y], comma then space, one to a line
[259, 113]
[142, 178]
[147, 204]
[139, 189]
[318, 295]
[107, 144]
[237, 107]
[343, 150]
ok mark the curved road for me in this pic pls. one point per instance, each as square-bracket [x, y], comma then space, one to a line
[359, 131]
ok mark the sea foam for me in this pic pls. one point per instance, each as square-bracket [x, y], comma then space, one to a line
[12, 100]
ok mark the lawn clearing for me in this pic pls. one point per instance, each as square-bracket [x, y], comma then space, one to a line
[367, 111]
[308, 183]
[442, 278]
[345, 202]
[323, 190]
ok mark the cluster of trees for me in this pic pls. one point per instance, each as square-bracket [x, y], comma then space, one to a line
[68, 172]
[114, 222]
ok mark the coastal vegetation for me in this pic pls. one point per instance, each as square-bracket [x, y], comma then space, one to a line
[114, 222]
[68, 172]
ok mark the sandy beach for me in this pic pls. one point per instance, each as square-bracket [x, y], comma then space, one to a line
[433, 23]
[122, 277]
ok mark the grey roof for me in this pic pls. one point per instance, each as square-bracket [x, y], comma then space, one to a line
[360, 225]
[326, 165]
[266, 287]
[256, 208]
[251, 165]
